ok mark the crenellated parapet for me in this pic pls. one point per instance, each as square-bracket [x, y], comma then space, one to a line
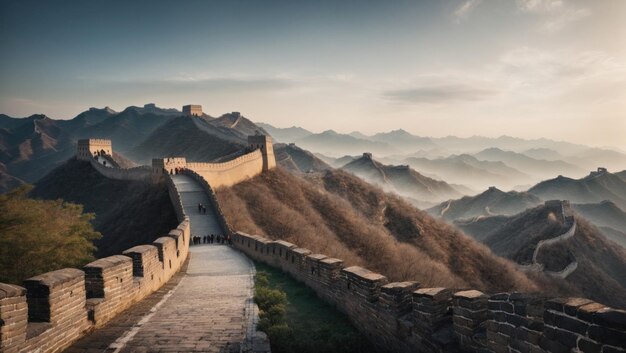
[403, 317]
[141, 173]
[54, 309]
[259, 157]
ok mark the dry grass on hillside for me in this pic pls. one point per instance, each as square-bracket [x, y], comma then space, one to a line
[340, 215]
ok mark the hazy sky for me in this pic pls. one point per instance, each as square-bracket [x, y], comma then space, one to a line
[527, 68]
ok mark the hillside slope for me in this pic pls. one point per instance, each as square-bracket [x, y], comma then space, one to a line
[340, 215]
[128, 213]
[7, 181]
[33, 147]
[190, 137]
[401, 179]
[608, 217]
[297, 159]
[127, 128]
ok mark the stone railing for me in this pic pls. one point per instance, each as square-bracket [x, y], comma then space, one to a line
[141, 173]
[402, 317]
[177, 203]
[231, 172]
[233, 163]
[221, 218]
[55, 309]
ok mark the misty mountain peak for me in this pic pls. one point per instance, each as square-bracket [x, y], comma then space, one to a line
[106, 109]
[400, 132]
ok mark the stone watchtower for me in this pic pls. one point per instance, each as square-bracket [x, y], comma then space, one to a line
[89, 148]
[264, 143]
[192, 110]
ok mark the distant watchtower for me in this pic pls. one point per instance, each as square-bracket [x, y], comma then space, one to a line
[89, 148]
[192, 110]
[264, 143]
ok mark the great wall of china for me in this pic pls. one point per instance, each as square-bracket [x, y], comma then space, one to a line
[563, 213]
[55, 309]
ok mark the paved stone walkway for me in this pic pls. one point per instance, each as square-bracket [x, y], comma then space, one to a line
[206, 308]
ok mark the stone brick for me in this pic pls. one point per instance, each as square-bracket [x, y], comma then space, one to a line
[566, 337]
[613, 318]
[586, 312]
[493, 305]
[588, 346]
[607, 335]
[556, 304]
[497, 347]
[524, 334]
[11, 290]
[549, 317]
[572, 324]
[434, 294]
[470, 295]
[553, 346]
[571, 306]
[500, 296]
[498, 337]
[516, 320]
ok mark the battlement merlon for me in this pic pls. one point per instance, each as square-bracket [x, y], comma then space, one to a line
[264, 143]
[88, 148]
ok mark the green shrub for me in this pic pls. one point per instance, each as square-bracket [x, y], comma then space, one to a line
[266, 297]
[297, 321]
[39, 236]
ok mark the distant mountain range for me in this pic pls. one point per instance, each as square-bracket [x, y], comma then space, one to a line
[31, 147]
[402, 180]
[468, 170]
[523, 162]
[594, 188]
[330, 142]
[599, 198]
[538, 167]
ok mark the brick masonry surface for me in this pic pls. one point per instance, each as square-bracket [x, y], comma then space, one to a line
[402, 317]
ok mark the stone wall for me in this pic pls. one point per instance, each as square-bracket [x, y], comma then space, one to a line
[142, 173]
[402, 317]
[175, 198]
[221, 218]
[54, 309]
[231, 172]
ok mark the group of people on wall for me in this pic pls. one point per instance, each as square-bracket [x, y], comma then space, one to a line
[211, 239]
[175, 171]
